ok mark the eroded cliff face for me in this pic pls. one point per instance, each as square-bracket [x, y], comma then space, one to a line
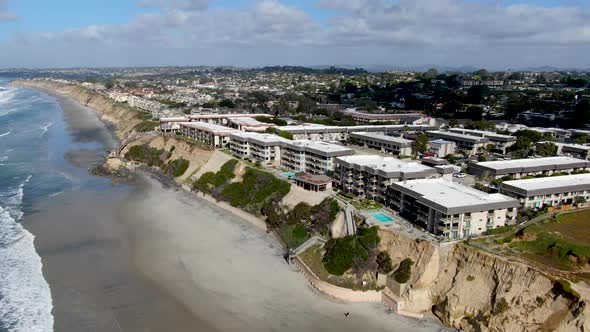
[472, 290]
[121, 115]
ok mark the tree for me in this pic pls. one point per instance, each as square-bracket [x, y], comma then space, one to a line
[453, 123]
[430, 74]
[421, 143]
[581, 114]
[384, 263]
[452, 81]
[474, 113]
[546, 149]
[579, 201]
[226, 103]
[404, 271]
[477, 93]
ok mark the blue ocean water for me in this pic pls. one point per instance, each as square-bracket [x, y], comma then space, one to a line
[33, 139]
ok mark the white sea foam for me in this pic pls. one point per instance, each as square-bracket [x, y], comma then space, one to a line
[25, 297]
[45, 128]
[56, 194]
[6, 133]
[3, 158]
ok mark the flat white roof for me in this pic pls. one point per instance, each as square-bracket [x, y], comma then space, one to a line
[228, 115]
[320, 146]
[210, 127]
[451, 194]
[483, 133]
[174, 119]
[316, 127]
[550, 182]
[386, 164]
[459, 136]
[530, 162]
[248, 121]
[392, 139]
[267, 138]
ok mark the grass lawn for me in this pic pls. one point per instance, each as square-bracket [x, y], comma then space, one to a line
[573, 226]
[554, 243]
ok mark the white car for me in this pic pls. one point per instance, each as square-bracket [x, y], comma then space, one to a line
[459, 175]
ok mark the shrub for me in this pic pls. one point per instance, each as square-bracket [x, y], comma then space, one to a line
[384, 262]
[210, 181]
[255, 190]
[501, 306]
[177, 167]
[563, 287]
[324, 213]
[404, 271]
[146, 126]
[145, 154]
[470, 278]
[341, 254]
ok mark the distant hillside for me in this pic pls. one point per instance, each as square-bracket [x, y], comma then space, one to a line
[307, 70]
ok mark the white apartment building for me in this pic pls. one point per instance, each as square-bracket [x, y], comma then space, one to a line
[210, 134]
[440, 148]
[502, 142]
[248, 124]
[397, 118]
[469, 143]
[386, 144]
[316, 132]
[519, 168]
[552, 191]
[265, 148]
[311, 157]
[369, 176]
[449, 209]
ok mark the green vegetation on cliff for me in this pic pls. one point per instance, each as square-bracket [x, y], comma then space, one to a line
[146, 154]
[176, 167]
[210, 181]
[342, 254]
[403, 273]
[256, 188]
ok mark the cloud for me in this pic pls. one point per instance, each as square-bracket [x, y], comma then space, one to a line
[176, 4]
[6, 15]
[401, 32]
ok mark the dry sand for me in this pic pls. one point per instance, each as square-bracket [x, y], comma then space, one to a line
[231, 273]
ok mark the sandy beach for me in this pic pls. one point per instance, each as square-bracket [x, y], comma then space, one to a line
[142, 257]
[231, 273]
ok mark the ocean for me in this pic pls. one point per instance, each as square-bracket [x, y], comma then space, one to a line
[34, 141]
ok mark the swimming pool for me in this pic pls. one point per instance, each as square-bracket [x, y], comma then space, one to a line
[381, 217]
[289, 175]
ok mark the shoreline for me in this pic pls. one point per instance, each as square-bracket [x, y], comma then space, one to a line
[86, 257]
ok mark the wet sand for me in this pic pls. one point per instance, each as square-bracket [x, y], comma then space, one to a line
[85, 247]
[148, 258]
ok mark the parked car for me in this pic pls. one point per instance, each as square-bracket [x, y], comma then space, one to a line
[459, 175]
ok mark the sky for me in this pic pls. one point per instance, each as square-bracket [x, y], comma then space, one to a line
[492, 34]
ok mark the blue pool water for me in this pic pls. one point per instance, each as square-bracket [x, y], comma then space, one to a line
[381, 217]
[289, 175]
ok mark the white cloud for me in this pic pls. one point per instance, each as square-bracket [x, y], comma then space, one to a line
[402, 32]
[176, 4]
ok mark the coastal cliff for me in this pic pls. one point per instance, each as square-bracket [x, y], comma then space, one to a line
[123, 116]
[476, 291]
